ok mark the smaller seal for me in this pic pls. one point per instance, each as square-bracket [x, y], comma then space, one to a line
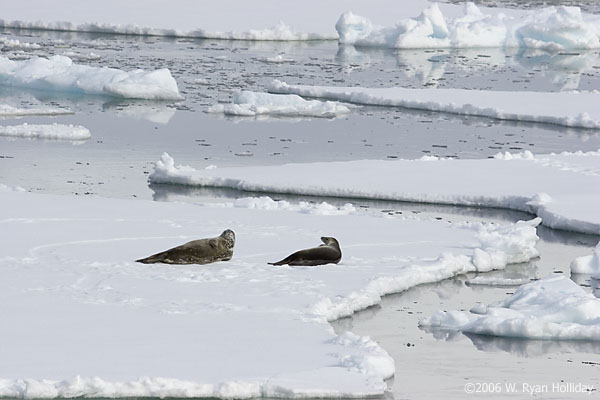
[202, 251]
[327, 253]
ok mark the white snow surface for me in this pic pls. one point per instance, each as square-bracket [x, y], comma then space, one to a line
[563, 189]
[573, 108]
[48, 131]
[10, 111]
[247, 103]
[553, 308]
[80, 318]
[552, 28]
[588, 264]
[59, 73]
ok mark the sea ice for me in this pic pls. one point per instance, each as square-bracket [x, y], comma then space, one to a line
[563, 189]
[61, 74]
[246, 103]
[588, 264]
[50, 131]
[574, 109]
[10, 111]
[552, 28]
[437, 25]
[115, 328]
[553, 308]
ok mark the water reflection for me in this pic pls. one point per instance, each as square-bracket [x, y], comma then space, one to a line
[516, 346]
[158, 112]
[523, 69]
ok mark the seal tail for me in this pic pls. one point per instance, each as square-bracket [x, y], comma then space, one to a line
[153, 259]
[282, 262]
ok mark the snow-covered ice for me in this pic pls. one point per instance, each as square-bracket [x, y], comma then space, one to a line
[552, 28]
[573, 108]
[232, 329]
[10, 111]
[553, 308]
[563, 189]
[48, 131]
[246, 103]
[59, 73]
[588, 264]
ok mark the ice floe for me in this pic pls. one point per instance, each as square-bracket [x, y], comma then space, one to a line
[10, 111]
[68, 271]
[246, 103]
[552, 28]
[278, 59]
[91, 56]
[563, 188]
[553, 308]
[574, 109]
[588, 264]
[49, 131]
[59, 73]
[15, 44]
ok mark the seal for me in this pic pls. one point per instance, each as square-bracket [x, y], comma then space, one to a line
[202, 251]
[327, 253]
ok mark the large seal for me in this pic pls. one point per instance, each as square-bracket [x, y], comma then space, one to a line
[327, 253]
[202, 251]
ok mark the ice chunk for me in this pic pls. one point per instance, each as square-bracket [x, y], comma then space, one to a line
[246, 103]
[10, 111]
[553, 308]
[59, 73]
[588, 264]
[51, 131]
[553, 28]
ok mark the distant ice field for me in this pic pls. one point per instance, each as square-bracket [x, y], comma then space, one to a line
[133, 133]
